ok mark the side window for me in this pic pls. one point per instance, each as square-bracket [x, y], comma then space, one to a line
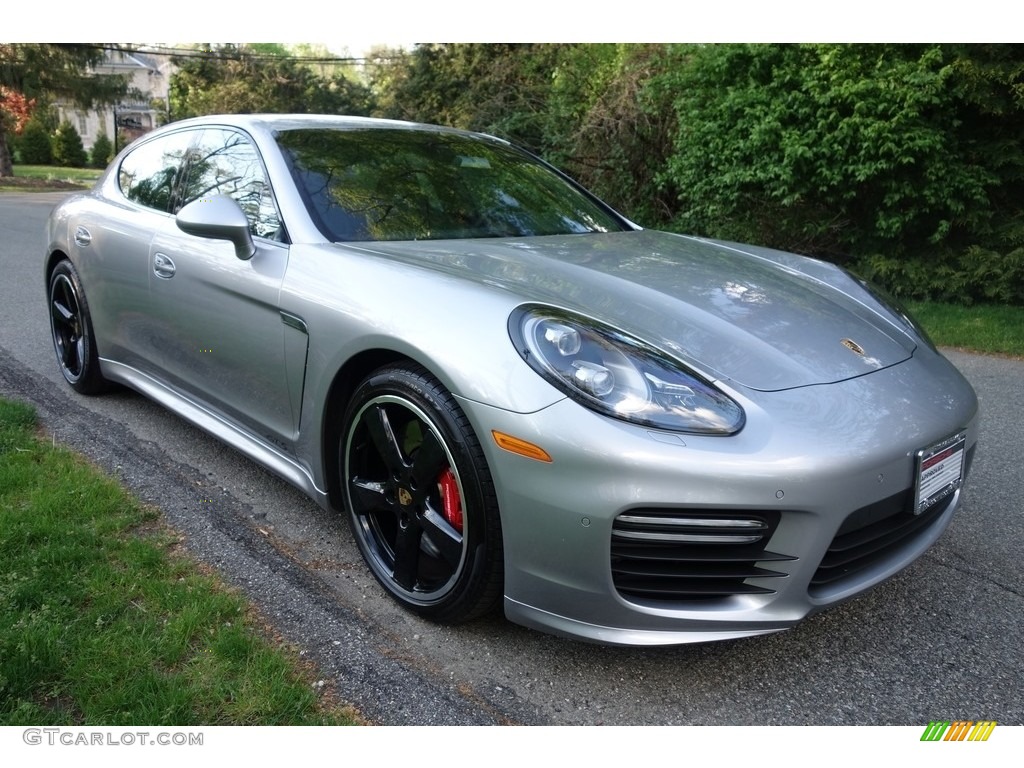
[225, 162]
[148, 173]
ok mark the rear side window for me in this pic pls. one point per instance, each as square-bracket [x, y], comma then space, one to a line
[148, 173]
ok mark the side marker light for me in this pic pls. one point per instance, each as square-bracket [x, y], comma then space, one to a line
[520, 447]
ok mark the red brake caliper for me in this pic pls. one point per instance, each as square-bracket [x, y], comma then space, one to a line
[451, 502]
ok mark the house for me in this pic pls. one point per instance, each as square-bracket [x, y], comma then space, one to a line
[140, 111]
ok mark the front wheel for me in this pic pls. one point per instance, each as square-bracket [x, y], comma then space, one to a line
[420, 497]
[71, 328]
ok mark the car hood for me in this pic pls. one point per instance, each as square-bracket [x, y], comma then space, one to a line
[764, 319]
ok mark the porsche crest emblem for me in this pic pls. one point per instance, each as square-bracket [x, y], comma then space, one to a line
[853, 346]
[404, 497]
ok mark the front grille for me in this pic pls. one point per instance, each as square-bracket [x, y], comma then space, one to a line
[681, 554]
[871, 535]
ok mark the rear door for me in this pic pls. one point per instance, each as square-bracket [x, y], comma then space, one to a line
[113, 249]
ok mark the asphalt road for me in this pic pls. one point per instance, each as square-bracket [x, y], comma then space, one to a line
[940, 641]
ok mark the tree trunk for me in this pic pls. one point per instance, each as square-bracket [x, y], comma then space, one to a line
[6, 167]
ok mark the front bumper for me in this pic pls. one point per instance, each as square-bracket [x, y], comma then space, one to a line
[809, 457]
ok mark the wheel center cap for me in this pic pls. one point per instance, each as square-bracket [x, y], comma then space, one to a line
[404, 497]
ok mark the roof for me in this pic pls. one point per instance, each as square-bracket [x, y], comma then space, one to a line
[284, 122]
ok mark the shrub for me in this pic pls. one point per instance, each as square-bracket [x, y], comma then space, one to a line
[975, 275]
[67, 147]
[34, 147]
[102, 152]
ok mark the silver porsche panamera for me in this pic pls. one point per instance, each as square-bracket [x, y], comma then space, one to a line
[513, 394]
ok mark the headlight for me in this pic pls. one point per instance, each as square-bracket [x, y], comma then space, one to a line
[618, 375]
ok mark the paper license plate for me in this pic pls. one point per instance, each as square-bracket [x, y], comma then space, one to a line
[940, 471]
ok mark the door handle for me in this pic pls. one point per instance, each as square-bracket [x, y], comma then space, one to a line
[82, 236]
[163, 266]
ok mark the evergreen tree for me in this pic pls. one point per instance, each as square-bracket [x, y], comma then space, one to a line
[34, 146]
[67, 147]
[102, 152]
[54, 70]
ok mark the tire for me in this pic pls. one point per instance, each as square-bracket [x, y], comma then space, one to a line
[71, 329]
[419, 496]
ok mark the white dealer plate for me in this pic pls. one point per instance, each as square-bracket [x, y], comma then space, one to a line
[940, 471]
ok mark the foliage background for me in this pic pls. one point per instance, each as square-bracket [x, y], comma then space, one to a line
[903, 162]
[39, 73]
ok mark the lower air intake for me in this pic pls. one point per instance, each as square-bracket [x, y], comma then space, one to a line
[872, 535]
[683, 554]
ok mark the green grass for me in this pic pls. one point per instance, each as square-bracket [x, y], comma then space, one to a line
[989, 329]
[46, 178]
[103, 622]
[56, 173]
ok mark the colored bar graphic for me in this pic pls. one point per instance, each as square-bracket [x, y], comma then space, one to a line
[982, 730]
[960, 730]
[935, 730]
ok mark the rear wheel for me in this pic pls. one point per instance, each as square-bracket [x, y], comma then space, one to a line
[420, 498]
[71, 327]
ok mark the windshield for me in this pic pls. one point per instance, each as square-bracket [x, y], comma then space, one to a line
[396, 184]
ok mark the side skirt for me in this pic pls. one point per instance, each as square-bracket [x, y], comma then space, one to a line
[241, 440]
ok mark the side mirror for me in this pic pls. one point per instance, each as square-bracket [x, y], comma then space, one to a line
[219, 218]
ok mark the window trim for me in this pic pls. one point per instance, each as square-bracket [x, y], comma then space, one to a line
[183, 168]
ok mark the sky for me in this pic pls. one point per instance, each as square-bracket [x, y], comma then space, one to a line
[401, 22]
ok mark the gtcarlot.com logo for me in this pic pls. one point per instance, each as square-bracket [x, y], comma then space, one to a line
[74, 737]
[960, 730]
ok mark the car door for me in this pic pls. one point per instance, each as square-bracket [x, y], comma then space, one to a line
[221, 328]
[113, 248]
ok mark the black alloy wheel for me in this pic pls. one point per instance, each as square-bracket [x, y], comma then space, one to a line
[420, 498]
[71, 326]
